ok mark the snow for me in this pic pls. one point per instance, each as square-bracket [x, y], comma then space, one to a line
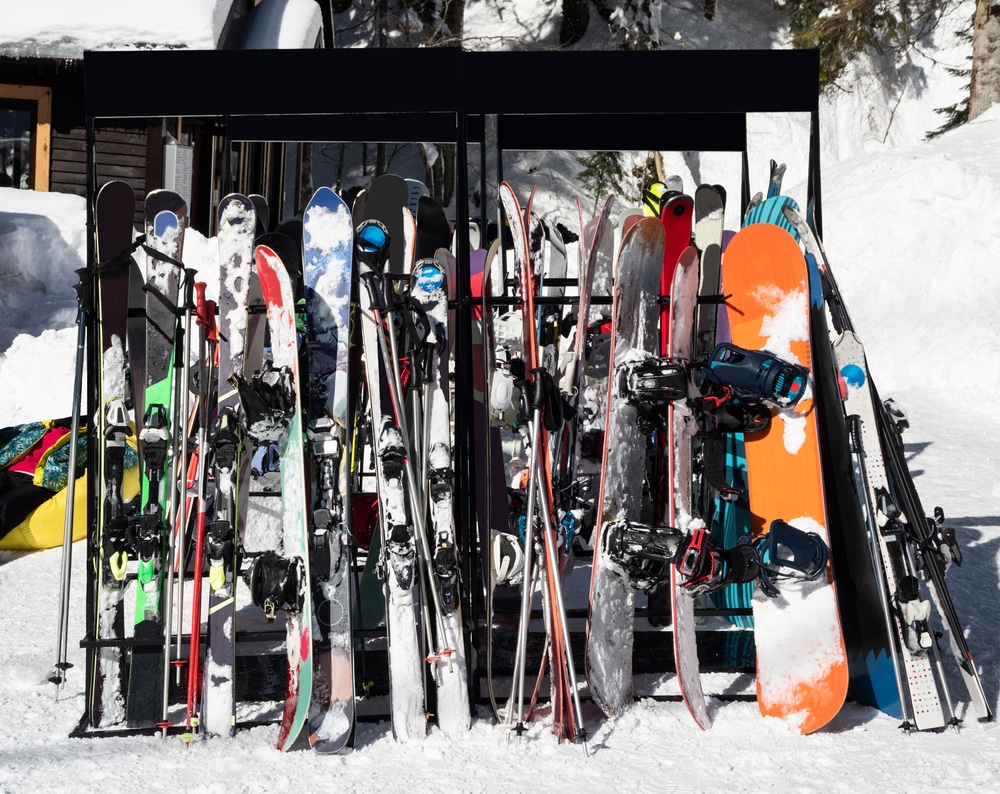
[912, 232]
[284, 24]
[64, 29]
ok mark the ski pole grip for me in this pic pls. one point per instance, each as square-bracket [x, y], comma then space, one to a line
[201, 307]
[211, 328]
[189, 282]
[538, 384]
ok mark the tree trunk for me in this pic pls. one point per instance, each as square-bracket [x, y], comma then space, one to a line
[984, 86]
[454, 17]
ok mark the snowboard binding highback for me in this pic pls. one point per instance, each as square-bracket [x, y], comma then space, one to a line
[276, 583]
[268, 399]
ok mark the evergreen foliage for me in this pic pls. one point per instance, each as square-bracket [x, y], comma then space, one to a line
[603, 173]
[843, 29]
[957, 114]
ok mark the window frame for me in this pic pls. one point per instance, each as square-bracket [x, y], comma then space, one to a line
[41, 143]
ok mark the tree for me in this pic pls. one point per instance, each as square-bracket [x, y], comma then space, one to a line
[984, 85]
[603, 173]
[844, 29]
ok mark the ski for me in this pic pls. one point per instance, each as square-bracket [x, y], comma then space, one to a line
[500, 551]
[904, 607]
[578, 485]
[923, 536]
[545, 405]
[272, 405]
[166, 218]
[109, 547]
[398, 564]
[328, 246]
[237, 216]
[429, 368]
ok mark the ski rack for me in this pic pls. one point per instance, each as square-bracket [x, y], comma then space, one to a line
[697, 114]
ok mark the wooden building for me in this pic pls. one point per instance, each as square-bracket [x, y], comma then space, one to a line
[43, 121]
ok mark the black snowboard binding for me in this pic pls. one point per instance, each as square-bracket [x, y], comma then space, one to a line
[268, 399]
[275, 583]
[649, 386]
[644, 552]
[783, 554]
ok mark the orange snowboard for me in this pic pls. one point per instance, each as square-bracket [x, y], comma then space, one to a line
[801, 662]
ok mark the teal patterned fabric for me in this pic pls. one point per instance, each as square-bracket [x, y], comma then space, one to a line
[16, 441]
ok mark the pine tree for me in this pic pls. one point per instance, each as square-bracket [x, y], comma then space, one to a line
[957, 114]
[603, 173]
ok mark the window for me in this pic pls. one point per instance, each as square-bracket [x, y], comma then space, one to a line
[25, 114]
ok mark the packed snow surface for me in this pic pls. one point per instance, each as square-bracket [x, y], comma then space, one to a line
[912, 232]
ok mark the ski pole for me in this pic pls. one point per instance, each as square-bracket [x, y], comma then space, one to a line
[527, 590]
[180, 461]
[57, 676]
[376, 248]
[206, 339]
[559, 613]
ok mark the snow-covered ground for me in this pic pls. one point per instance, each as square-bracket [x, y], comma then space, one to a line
[913, 235]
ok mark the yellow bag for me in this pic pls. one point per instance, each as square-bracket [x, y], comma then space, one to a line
[44, 527]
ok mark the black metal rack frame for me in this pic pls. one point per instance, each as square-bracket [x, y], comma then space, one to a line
[609, 100]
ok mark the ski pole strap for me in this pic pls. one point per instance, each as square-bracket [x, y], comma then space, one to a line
[159, 255]
[122, 259]
[546, 398]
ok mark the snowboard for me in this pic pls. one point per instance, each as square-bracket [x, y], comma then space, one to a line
[868, 643]
[802, 666]
[680, 429]
[635, 336]
[921, 693]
